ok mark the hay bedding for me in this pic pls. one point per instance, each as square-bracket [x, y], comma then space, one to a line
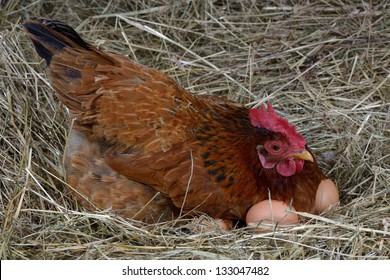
[324, 66]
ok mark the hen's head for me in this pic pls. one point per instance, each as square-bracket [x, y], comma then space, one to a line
[284, 148]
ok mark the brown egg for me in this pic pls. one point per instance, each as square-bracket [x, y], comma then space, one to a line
[223, 224]
[327, 195]
[271, 212]
[203, 223]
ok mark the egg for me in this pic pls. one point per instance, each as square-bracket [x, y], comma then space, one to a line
[203, 223]
[327, 195]
[268, 213]
[223, 224]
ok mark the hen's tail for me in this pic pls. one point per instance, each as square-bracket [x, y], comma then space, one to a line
[73, 64]
[51, 36]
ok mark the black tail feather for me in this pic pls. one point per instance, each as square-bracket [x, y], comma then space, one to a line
[51, 36]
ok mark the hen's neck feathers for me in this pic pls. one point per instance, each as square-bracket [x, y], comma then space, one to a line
[227, 142]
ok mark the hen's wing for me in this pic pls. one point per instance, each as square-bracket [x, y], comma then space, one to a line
[113, 98]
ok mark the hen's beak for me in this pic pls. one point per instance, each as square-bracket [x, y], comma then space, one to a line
[303, 154]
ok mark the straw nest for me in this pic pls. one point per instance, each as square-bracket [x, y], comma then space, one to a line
[324, 66]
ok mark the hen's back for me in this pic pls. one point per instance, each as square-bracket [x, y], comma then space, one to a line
[112, 98]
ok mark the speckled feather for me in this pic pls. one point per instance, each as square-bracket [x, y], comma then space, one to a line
[151, 136]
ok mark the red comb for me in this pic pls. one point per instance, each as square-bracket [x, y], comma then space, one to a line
[271, 121]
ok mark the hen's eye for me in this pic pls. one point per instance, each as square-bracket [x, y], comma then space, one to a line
[275, 148]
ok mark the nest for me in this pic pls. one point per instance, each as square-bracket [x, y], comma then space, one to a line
[323, 66]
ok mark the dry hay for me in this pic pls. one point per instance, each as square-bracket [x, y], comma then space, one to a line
[324, 66]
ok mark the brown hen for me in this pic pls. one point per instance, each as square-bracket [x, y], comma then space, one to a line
[150, 150]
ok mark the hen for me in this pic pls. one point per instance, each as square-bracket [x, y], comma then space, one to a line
[150, 150]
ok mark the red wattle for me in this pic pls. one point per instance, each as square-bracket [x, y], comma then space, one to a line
[286, 168]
